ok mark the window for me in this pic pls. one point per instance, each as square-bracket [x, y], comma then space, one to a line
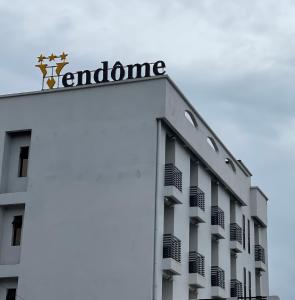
[23, 161]
[249, 246]
[16, 231]
[249, 284]
[190, 117]
[245, 283]
[11, 293]
[244, 232]
[212, 143]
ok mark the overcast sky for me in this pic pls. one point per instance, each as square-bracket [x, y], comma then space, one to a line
[233, 59]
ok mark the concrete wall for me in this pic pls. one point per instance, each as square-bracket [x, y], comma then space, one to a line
[196, 138]
[182, 160]
[181, 228]
[246, 259]
[94, 218]
[204, 231]
[258, 205]
[89, 227]
[224, 244]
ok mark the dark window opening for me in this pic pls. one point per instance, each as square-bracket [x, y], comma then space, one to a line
[244, 232]
[23, 161]
[17, 229]
[249, 246]
[11, 293]
[245, 283]
[249, 284]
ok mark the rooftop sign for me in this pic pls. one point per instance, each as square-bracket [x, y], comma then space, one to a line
[52, 66]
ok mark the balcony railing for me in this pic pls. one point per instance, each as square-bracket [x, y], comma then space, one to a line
[196, 263]
[173, 176]
[246, 298]
[236, 288]
[217, 277]
[171, 247]
[217, 216]
[253, 298]
[259, 253]
[235, 232]
[197, 197]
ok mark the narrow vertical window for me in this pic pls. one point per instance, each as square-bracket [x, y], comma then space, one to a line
[16, 230]
[244, 232]
[23, 161]
[245, 283]
[249, 231]
[11, 293]
[249, 284]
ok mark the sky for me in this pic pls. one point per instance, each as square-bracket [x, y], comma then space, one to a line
[233, 59]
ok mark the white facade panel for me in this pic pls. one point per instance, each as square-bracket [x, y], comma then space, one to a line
[108, 207]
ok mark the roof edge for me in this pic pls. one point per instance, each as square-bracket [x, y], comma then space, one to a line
[243, 168]
[259, 189]
[93, 85]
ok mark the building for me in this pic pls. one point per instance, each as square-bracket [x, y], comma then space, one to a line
[122, 191]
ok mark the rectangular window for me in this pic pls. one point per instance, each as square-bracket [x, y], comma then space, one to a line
[244, 232]
[11, 293]
[249, 231]
[245, 283]
[16, 230]
[249, 284]
[23, 161]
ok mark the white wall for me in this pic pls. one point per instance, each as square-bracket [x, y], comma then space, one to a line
[94, 205]
[89, 226]
[182, 223]
[224, 244]
[204, 231]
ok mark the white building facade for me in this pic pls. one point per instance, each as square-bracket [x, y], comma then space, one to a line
[122, 191]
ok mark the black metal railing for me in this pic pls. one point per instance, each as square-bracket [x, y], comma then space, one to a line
[235, 233]
[196, 263]
[217, 216]
[173, 176]
[171, 247]
[259, 253]
[244, 298]
[217, 277]
[197, 197]
[253, 298]
[236, 288]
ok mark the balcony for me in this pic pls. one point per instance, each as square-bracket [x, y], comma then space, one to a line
[196, 270]
[171, 254]
[197, 205]
[217, 282]
[236, 288]
[260, 258]
[217, 222]
[173, 184]
[236, 238]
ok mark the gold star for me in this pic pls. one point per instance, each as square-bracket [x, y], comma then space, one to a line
[52, 57]
[63, 56]
[41, 58]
